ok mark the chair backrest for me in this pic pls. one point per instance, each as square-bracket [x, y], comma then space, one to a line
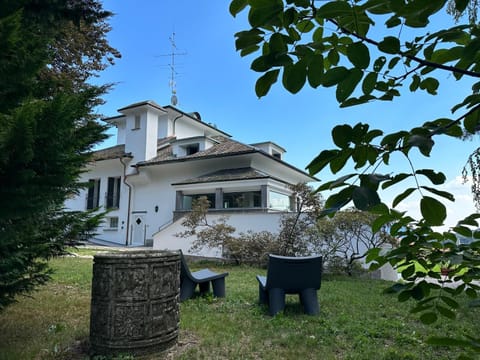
[184, 270]
[292, 273]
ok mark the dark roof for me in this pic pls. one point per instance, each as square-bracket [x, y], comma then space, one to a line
[224, 147]
[247, 173]
[142, 103]
[118, 151]
[113, 152]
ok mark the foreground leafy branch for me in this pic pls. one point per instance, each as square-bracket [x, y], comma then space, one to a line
[294, 42]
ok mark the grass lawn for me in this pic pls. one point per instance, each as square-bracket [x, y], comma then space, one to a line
[356, 321]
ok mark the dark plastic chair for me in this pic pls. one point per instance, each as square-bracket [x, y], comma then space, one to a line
[189, 281]
[291, 275]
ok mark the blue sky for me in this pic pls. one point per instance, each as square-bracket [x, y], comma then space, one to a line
[214, 80]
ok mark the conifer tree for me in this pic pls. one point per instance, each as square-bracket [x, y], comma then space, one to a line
[49, 50]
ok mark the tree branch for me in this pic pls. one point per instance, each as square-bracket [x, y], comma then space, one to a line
[418, 60]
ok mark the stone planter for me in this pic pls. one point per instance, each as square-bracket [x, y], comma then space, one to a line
[135, 297]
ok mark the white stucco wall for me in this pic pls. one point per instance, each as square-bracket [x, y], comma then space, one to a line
[243, 222]
[102, 170]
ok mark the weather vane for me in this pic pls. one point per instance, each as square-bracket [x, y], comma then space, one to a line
[173, 70]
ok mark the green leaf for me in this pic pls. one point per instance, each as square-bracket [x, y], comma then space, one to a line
[364, 197]
[265, 13]
[379, 64]
[378, 7]
[396, 179]
[433, 211]
[263, 84]
[305, 26]
[450, 302]
[236, 6]
[423, 143]
[443, 56]
[338, 200]
[415, 83]
[472, 122]
[461, 5]
[246, 39]
[446, 312]
[294, 77]
[333, 57]
[261, 64]
[340, 160]
[322, 160]
[443, 194]
[437, 178]
[463, 230]
[404, 295]
[393, 21]
[391, 140]
[389, 45]
[277, 43]
[409, 271]
[471, 49]
[335, 183]
[430, 84]
[381, 221]
[428, 318]
[369, 82]
[342, 135]
[315, 71]
[402, 196]
[346, 87]
[358, 55]
[334, 9]
[249, 50]
[334, 76]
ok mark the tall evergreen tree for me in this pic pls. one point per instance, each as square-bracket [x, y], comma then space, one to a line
[49, 50]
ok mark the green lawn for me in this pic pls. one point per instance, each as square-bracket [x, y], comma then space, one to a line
[356, 321]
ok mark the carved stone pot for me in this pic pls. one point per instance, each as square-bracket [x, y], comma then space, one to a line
[135, 302]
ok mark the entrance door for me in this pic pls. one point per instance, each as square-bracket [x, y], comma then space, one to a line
[138, 230]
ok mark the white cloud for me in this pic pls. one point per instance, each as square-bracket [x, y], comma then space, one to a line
[461, 208]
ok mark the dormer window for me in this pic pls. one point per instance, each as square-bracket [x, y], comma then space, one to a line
[276, 155]
[136, 125]
[192, 149]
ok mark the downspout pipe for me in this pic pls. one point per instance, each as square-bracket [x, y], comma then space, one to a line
[174, 123]
[129, 187]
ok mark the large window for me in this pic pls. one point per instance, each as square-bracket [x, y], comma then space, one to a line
[113, 193]
[93, 194]
[248, 199]
[278, 201]
[188, 199]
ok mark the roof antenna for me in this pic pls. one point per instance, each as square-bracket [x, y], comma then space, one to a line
[173, 71]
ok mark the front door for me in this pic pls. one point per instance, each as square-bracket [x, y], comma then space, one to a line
[138, 230]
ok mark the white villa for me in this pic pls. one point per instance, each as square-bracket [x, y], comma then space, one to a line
[164, 158]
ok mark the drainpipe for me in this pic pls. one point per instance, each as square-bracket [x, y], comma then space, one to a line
[174, 122]
[125, 176]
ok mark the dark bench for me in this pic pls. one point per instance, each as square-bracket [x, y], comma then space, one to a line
[189, 281]
[291, 275]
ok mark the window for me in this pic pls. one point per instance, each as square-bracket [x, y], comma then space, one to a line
[113, 222]
[192, 149]
[188, 199]
[249, 199]
[136, 124]
[93, 194]
[278, 201]
[113, 193]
